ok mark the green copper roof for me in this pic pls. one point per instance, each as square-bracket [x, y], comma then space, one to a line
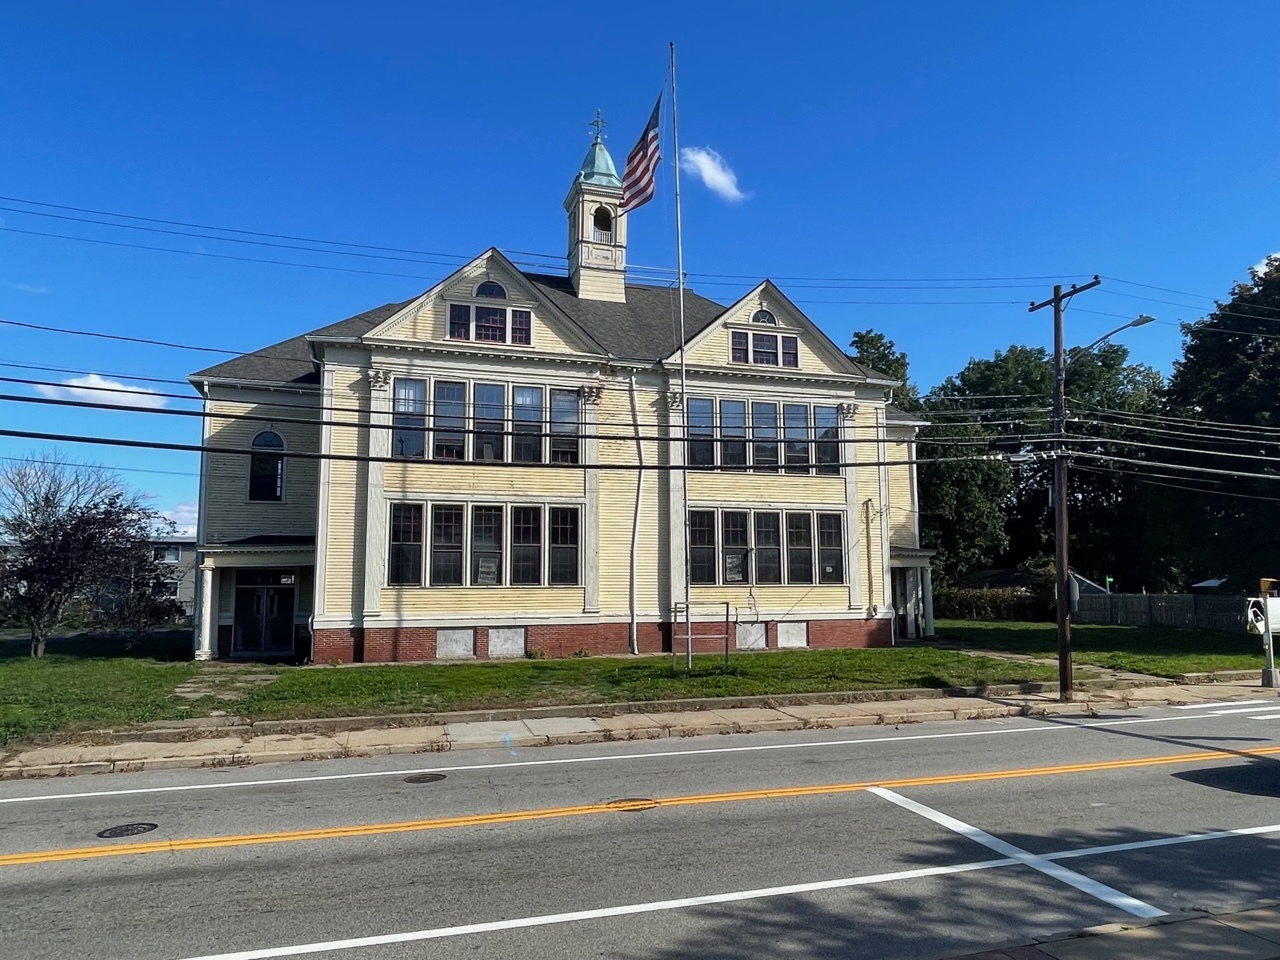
[598, 167]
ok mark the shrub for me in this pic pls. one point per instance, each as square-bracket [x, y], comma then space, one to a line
[960, 603]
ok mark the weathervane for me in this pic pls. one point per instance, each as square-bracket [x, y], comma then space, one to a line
[598, 123]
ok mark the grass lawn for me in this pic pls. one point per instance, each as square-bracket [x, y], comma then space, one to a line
[1160, 651]
[81, 684]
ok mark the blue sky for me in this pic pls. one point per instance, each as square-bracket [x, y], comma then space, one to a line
[877, 141]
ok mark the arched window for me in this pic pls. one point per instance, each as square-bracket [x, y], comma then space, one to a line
[266, 467]
[494, 291]
[602, 224]
[764, 316]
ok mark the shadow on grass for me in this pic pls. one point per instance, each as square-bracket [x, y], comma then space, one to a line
[162, 646]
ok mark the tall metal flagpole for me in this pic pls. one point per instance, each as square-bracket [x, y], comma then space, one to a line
[684, 374]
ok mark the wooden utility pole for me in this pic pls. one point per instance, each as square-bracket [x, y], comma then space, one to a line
[1061, 559]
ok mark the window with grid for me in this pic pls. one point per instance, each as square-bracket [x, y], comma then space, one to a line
[409, 419]
[564, 426]
[826, 432]
[738, 351]
[450, 421]
[768, 549]
[791, 351]
[404, 561]
[764, 349]
[266, 468]
[491, 290]
[702, 432]
[526, 546]
[735, 537]
[764, 431]
[521, 327]
[459, 321]
[564, 546]
[490, 412]
[486, 546]
[830, 548]
[491, 324]
[733, 433]
[526, 413]
[795, 427]
[446, 545]
[799, 548]
[702, 546]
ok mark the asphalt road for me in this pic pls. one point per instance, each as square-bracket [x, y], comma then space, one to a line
[872, 842]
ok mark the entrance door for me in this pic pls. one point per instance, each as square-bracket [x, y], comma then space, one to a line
[898, 580]
[263, 615]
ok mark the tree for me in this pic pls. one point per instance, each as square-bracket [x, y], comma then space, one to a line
[73, 533]
[875, 350]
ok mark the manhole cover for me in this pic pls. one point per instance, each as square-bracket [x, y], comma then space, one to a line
[424, 778]
[126, 830]
[632, 804]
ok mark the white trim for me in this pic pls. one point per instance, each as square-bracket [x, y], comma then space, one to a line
[782, 610]
[882, 450]
[318, 593]
[378, 442]
[589, 515]
[848, 454]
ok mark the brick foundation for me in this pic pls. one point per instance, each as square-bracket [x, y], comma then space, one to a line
[407, 644]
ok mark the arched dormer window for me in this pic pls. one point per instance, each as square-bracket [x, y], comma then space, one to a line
[602, 225]
[266, 468]
[764, 316]
[491, 290]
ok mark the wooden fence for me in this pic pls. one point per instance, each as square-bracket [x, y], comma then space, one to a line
[1163, 610]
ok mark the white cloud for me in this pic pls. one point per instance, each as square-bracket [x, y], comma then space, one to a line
[184, 515]
[1261, 266]
[25, 287]
[711, 168]
[101, 390]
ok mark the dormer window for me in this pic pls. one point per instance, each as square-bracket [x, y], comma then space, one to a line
[762, 349]
[764, 316]
[490, 324]
[491, 291]
[602, 225]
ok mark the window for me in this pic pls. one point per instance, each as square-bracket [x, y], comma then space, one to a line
[764, 426]
[768, 552]
[166, 588]
[521, 327]
[404, 562]
[564, 426]
[564, 546]
[764, 316]
[491, 324]
[167, 553]
[526, 546]
[702, 546]
[459, 321]
[764, 349]
[526, 405]
[450, 421]
[734, 526]
[602, 225]
[799, 548]
[491, 290]
[795, 426]
[733, 433]
[490, 405]
[486, 546]
[702, 432]
[830, 548]
[409, 419]
[826, 431]
[266, 468]
[738, 346]
[446, 546]
[791, 351]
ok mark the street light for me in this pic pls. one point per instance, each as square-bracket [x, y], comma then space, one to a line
[1138, 321]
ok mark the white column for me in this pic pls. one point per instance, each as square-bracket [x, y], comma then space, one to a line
[207, 648]
[375, 520]
[854, 552]
[591, 397]
[927, 575]
[676, 503]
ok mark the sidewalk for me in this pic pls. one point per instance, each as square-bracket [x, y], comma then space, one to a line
[230, 741]
[1248, 934]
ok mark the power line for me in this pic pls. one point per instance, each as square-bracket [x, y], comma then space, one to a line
[1165, 418]
[1174, 466]
[1140, 477]
[167, 473]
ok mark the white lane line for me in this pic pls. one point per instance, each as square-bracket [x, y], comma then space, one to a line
[1224, 713]
[1162, 842]
[1266, 716]
[603, 912]
[1040, 727]
[1094, 888]
[1221, 703]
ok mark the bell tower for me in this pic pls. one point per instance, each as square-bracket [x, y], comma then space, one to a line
[597, 232]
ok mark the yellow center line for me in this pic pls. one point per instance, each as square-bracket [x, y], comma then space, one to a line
[553, 813]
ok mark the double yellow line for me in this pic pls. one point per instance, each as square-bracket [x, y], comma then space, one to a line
[622, 806]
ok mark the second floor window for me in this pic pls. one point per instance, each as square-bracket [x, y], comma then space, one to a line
[266, 468]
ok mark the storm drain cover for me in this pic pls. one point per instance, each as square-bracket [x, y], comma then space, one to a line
[632, 804]
[126, 830]
[425, 778]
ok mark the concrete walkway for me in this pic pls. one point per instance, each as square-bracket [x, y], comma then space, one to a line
[227, 741]
[1251, 934]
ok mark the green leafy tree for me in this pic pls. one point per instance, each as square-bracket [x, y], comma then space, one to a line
[875, 350]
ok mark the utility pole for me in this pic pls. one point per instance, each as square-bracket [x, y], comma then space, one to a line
[1061, 559]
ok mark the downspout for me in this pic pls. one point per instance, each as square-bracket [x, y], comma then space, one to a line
[871, 579]
[632, 635]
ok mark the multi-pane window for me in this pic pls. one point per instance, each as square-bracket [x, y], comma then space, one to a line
[491, 324]
[764, 422]
[527, 419]
[491, 290]
[564, 426]
[733, 433]
[795, 426]
[799, 548]
[564, 546]
[702, 546]
[526, 546]
[738, 346]
[791, 351]
[486, 546]
[490, 407]
[702, 432]
[764, 349]
[826, 432]
[487, 323]
[830, 548]
[450, 421]
[735, 537]
[521, 327]
[266, 467]
[459, 321]
[446, 545]
[409, 419]
[404, 561]
[768, 551]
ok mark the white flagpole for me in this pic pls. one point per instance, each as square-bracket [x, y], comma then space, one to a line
[684, 375]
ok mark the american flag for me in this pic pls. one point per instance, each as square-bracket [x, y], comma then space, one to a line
[642, 163]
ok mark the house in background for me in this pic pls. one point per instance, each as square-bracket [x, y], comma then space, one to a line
[506, 464]
[177, 556]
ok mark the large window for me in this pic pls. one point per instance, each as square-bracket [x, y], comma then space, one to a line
[446, 545]
[564, 546]
[826, 432]
[564, 426]
[702, 546]
[733, 433]
[734, 526]
[409, 419]
[404, 563]
[799, 437]
[799, 548]
[830, 548]
[764, 422]
[764, 349]
[795, 425]
[489, 323]
[526, 546]
[266, 467]
[486, 546]
[490, 403]
[450, 421]
[702, 432]
[734, 546]
[527, 421]
[768, 551]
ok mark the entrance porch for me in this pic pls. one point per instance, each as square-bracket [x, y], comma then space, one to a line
[255, 601]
